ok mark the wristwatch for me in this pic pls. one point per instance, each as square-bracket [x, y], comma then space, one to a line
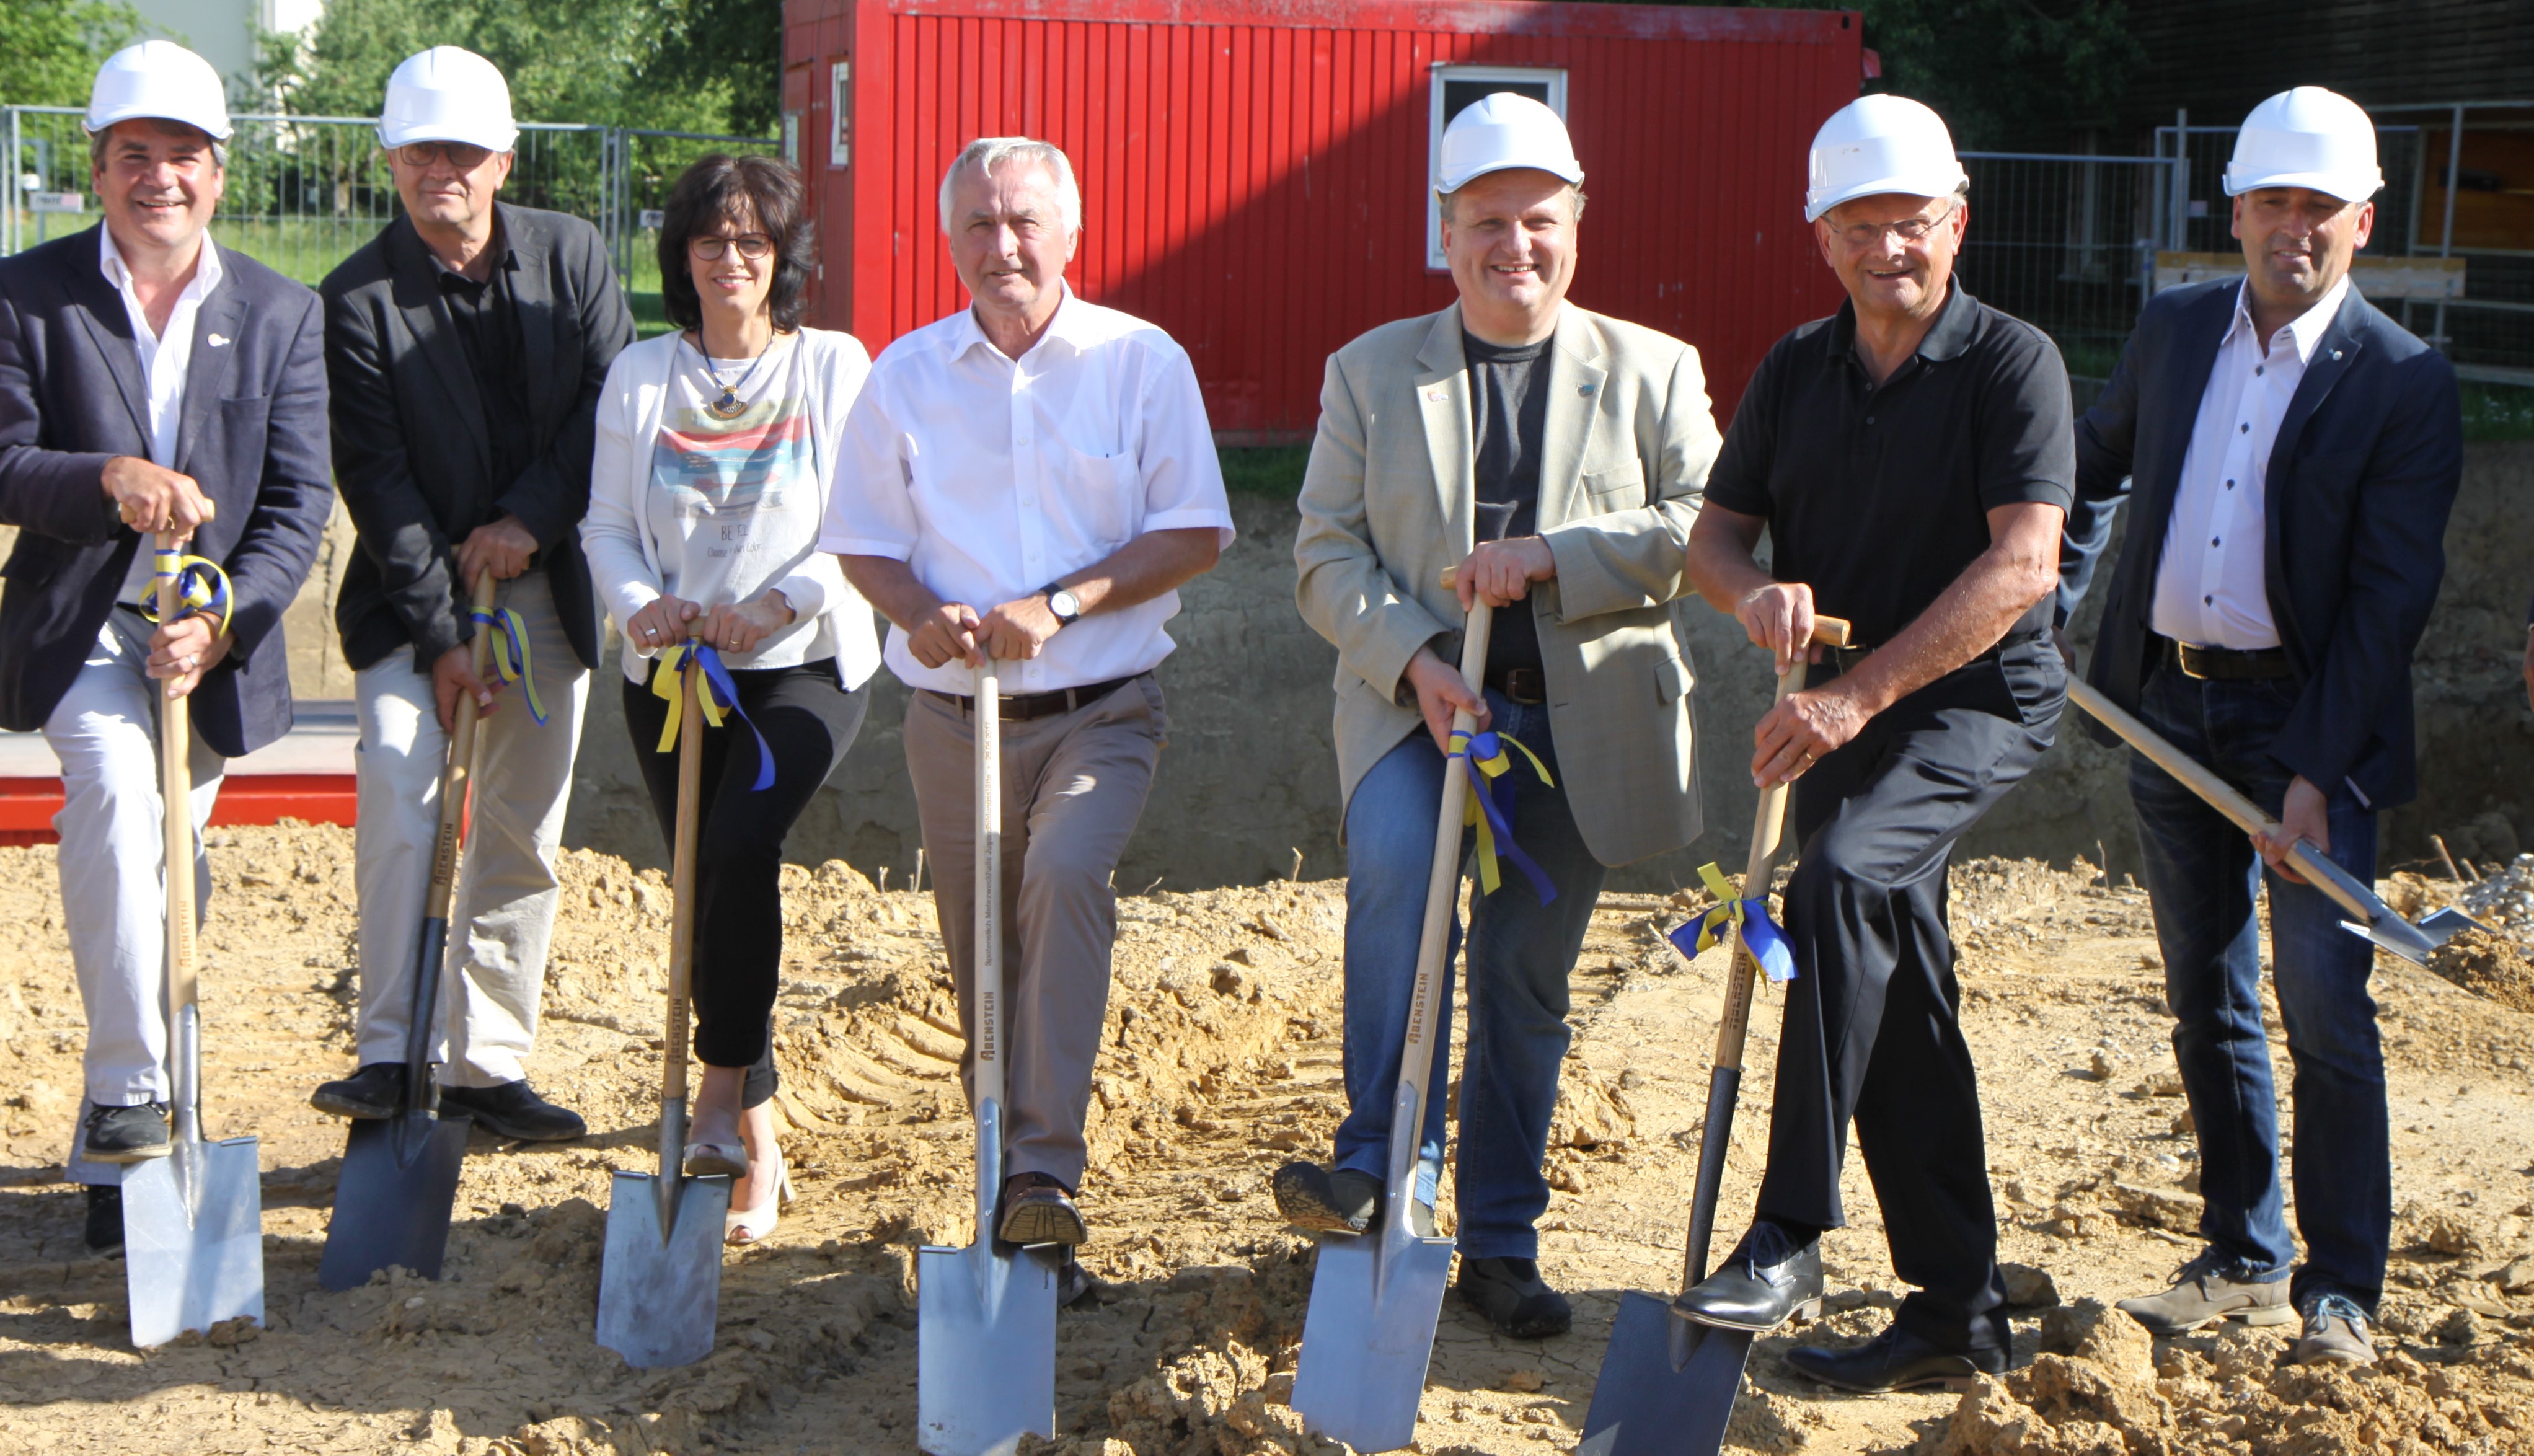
[1063, 603]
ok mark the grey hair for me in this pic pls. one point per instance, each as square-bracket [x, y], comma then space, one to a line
[98, 142]
[1574, 194]
[989, 153]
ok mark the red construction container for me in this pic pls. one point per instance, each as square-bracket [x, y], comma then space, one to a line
[1255, 177]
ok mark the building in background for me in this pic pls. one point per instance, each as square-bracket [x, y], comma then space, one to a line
[224, 31]
[1256, 178]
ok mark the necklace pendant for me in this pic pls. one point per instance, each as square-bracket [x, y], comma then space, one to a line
[728, 406]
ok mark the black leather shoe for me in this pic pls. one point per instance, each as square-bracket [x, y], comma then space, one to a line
[125, 1134]
[1075, 1286]
[514, 1110]
[1038, 1209]
[1514, 1297]
[1766, 1279]
[103, 1236]
[1895, 1360]
[1312, 1197]
[376, 1090]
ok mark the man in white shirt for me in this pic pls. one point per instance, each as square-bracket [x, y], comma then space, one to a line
[2279, 569]
[1030, 478]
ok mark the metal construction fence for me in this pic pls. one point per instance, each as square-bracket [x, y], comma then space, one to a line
[305, 190]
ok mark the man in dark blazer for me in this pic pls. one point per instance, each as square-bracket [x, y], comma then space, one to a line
[467, 344]
[149, 382]
[2293, 454]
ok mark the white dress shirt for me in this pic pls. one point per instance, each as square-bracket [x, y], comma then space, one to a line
[2212, 589]
[991, 477]
[164, 360]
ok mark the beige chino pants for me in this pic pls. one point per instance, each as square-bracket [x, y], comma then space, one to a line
[1074, 787]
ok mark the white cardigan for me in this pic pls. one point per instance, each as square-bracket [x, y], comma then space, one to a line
[624, 552]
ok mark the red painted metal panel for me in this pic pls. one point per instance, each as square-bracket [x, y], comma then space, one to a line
[1254, 174]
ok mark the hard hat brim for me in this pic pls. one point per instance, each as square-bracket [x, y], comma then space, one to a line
[1929, 184]
[1571, 173]
[113, 115]
[2342, 186]
[489, 138]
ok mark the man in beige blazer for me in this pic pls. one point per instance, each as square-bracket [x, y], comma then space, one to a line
[1557, 459]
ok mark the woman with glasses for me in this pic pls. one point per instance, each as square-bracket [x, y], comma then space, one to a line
[715, 444]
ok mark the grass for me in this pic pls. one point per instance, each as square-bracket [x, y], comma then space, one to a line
[1273, 471]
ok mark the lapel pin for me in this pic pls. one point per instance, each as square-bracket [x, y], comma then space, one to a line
[1435, 395]
[2335, 353]
[220, 341]
[1584, 389]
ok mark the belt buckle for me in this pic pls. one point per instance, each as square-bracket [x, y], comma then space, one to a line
[2182, 660]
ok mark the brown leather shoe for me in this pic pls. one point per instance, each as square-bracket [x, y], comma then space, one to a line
[2336, 1333]
[2207, 1290]
[1037, 1209]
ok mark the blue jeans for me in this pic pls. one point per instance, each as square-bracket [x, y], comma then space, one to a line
[1521, 952]
[2202, 872]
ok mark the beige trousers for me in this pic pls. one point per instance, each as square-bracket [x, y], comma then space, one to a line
[1074, 787]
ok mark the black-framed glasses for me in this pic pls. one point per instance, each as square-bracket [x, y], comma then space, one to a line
[753, 246]
[465, 157]
[1908, 229]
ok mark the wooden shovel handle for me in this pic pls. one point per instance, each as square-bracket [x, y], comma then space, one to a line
[456, 779]
[176, 820]
[682, 875]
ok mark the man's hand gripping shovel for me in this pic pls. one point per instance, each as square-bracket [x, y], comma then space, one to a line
[2374, 919]
[193, 1220]
[399, 1178]
[1375, 1297]
[1667, 1386]
[659, 1280]
[985, 1313]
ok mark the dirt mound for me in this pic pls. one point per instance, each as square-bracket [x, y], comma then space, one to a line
[2491, 965]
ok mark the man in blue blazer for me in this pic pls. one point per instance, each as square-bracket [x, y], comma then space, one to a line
[149, 382]
[2293, 454]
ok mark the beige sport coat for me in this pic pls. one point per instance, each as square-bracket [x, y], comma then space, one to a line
[1387, 503]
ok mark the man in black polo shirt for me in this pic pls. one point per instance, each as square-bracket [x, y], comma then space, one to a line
[1911, 459]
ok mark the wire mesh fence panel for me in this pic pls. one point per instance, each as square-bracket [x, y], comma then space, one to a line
[648, 164]
[2062, 242]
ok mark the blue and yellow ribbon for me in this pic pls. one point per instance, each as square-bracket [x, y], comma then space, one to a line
[668, 682]
[1490, 804]
[511, 655]
[1732, 914]
[202, 588]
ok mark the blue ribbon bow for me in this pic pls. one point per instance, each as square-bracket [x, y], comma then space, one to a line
[669, 682]
[510, 656]
[202, 588]
[1735, 918]
[1490, 804]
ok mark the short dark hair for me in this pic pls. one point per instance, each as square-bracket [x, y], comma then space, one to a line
[723, 186]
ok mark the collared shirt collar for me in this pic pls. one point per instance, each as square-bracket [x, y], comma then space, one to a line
[969, 333]
[2305, 330]
[207, 270]
[1955, 321]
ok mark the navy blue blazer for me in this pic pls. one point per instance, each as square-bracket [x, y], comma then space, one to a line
[2361, 479]
[252, 433]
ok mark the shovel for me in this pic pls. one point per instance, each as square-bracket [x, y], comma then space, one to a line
[399, 1178]
[985, 1314]
[1375, 1297]
[659, 1279]
[2375, 920]
[1667, 1385]
[193, 1220]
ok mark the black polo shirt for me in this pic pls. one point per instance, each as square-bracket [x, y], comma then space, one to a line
[487, 319]
[1876, 498]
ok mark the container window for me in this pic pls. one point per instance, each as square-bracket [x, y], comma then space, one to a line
[840, 151]
[1454, 89]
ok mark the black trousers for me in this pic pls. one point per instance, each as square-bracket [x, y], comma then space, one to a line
[1870, 1032]
[808, 722]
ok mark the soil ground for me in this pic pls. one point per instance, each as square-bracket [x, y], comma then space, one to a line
[1221, 1062]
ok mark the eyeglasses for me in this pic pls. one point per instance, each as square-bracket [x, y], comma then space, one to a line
[1908, 229]
[465, 157]
[753, 246]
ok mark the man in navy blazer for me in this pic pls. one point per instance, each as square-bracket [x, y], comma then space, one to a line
[2293, 454]
[149, 382]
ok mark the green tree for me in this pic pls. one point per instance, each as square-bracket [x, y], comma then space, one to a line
[736, 44]
[50, 49]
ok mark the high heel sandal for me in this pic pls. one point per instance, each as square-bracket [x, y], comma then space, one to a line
[715, 1160]
[752, 1225]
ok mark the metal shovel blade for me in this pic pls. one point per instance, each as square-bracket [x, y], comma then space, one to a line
[1666, 1386]
[1369, 1336]
[660, 1288]
[193, 1239]
[984, 1344]
[393, 1199]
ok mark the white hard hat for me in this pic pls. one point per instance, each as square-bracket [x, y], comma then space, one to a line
[1881, 144]
[158, 79]
[448, 94]
[2308, 136]
[1500, 131]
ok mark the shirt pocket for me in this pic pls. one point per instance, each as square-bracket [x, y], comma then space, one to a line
[1105, 494]
[1673, 678]
[1620, 488]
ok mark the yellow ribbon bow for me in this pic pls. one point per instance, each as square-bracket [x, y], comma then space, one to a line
[202, 590]
[1479, 809]
[1718, 924]
[667, 684]
[511, 655]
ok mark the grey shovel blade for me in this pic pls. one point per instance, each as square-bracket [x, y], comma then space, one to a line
[392, 1197]
[192, 1239]
[1369, 1335]
[659, 1289]
[1666, 1386]
[984, 1348]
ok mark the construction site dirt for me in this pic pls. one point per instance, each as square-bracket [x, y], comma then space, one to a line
[1220, 1061]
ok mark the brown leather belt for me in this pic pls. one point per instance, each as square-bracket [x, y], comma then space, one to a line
[1021, 707]
[2229, 664]
[1523, 685]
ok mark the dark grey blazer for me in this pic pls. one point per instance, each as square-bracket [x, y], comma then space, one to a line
[252, 433]
[2361, 479]
[413, 453]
